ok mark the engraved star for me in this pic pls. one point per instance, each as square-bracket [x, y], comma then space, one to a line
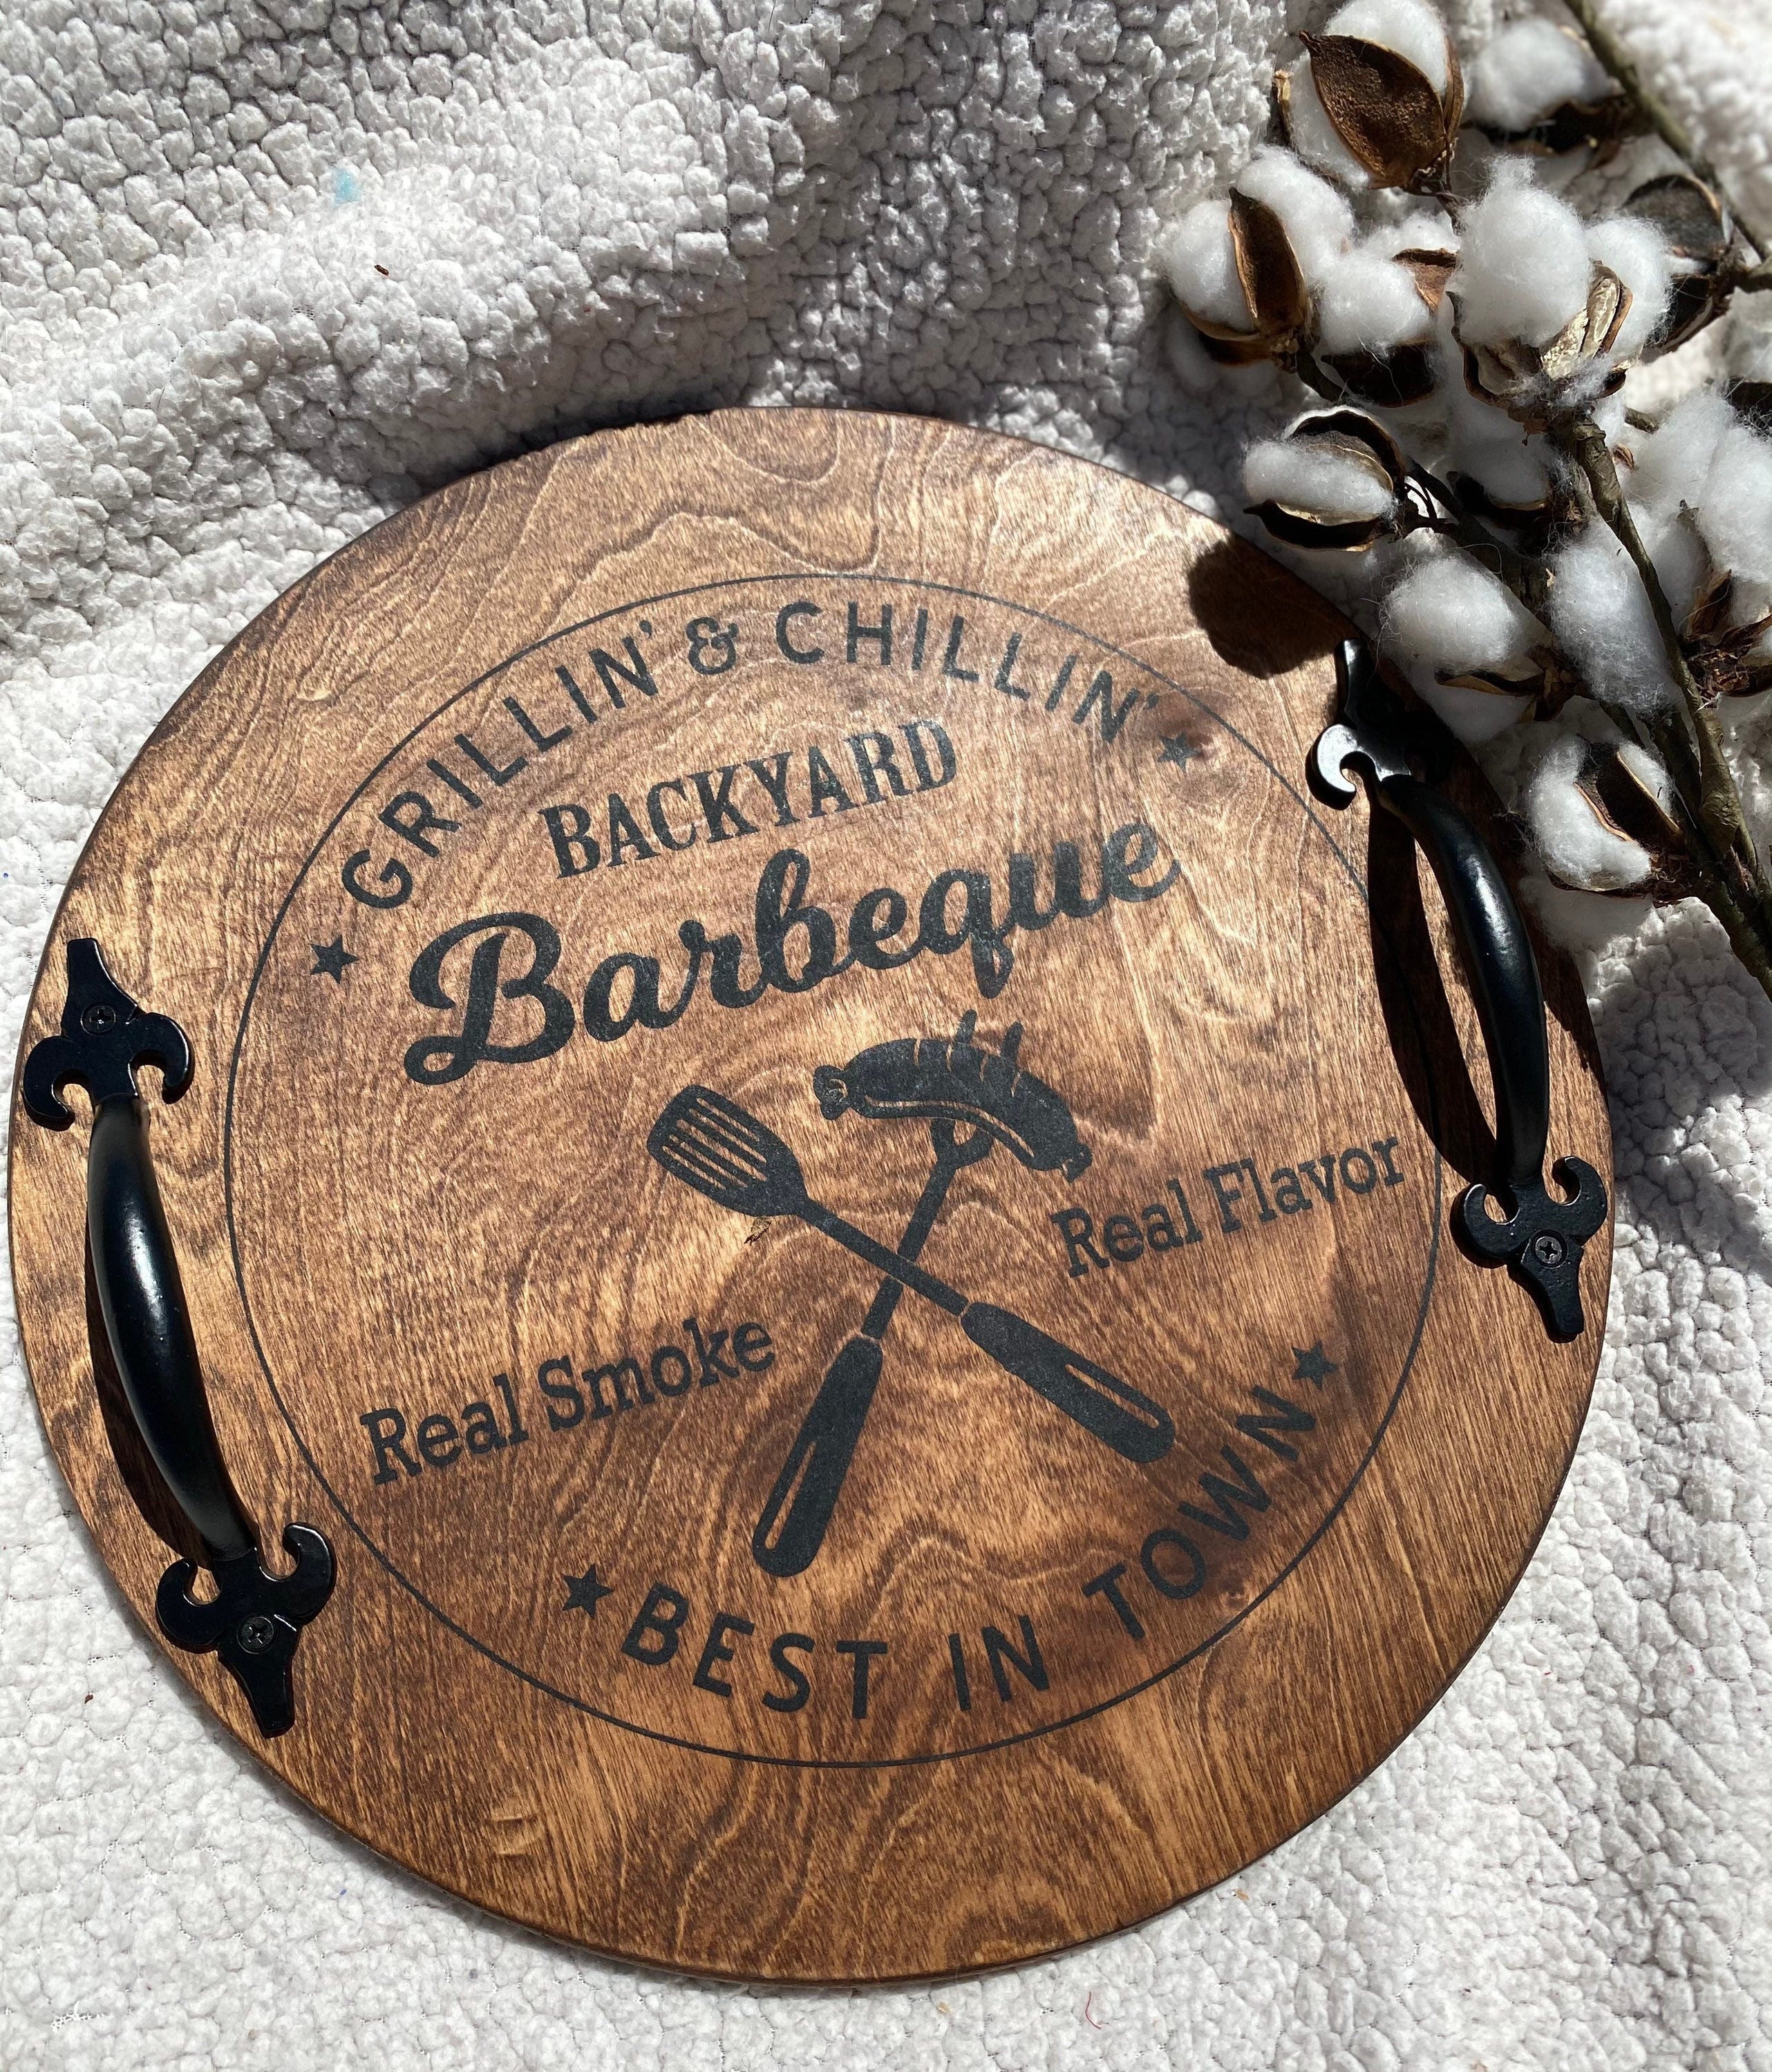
[1178, 750]
[1314, 1365]
[583, 1591]
[331, 958]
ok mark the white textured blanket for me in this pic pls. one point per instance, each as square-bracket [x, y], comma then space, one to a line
[269, 267]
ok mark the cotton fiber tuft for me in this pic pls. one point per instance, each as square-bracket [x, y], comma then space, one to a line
[1410, 28]
[1674, 461]
[1527, 70]
[1735, 508]
[1601, 612]
[1319, 223]
[1637, 254]
[1447, 616]
[1305, 475]
[1573, 839]
[1368, 303]
[1523, 269]
[1199, 261]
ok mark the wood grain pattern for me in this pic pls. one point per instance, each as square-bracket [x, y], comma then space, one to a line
[716, 754]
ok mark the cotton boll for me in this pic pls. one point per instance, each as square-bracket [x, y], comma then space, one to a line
[1677, 548]
[1448, 616]
[1474, 717]
[1319, 223]
[1528, 69]
[1486, 444]
[1199, 261]
[1369, 304]
[1314, 137]
[1423, 231]
[1523, 271]
[1303, 474]
[1703, 457]
[1674, 461]
[1600, 611]
[1189, 360]
[1450, 613]
[1201, 375]
[1735, 507]
[1470, 418]
[1413, 30]
[1607, 413]
[1582, 920]
[1742, 717]
[1649, 773]
[1636, 252]
[1749, 347]
[1502, 758]
[1570, 835]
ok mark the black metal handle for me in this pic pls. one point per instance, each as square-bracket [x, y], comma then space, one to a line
[254, 1620]
[142, 1300]
[1539, 1238]
[1503, 972]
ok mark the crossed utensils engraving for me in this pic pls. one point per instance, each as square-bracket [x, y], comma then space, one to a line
[972, 1098]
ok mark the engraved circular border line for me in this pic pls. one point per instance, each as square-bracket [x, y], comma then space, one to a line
[800, 577]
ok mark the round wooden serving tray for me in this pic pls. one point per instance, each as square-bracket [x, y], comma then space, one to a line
[938, 800]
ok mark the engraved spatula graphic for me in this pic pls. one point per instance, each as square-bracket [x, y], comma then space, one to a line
[722, 1151]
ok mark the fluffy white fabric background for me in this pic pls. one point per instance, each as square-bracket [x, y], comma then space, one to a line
[269, 266]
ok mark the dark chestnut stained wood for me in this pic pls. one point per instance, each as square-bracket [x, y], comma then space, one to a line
[669, 705]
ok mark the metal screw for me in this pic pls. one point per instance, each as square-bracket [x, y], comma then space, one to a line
[1548, 1249]
[256, 1633]
[98, 1016]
